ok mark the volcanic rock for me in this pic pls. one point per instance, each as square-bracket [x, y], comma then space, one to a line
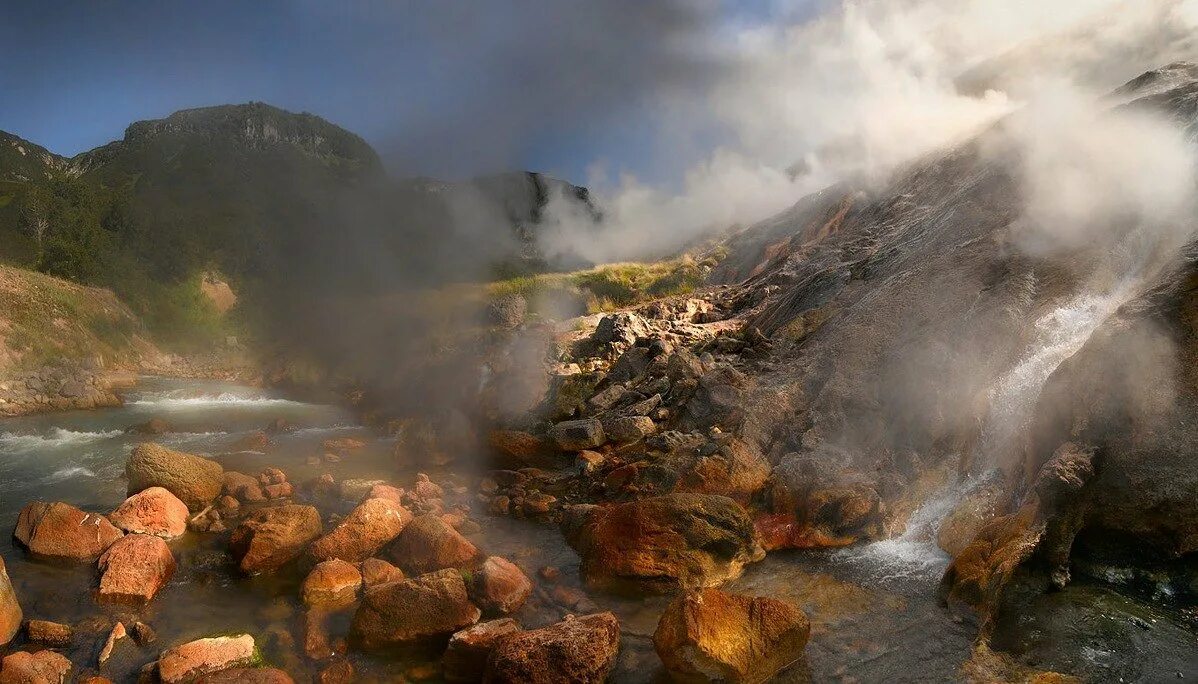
[53, 634]
[414, 613]
[196, 481]
[465, 659]
[271, 537]
[195, 659]
[152, 511]
[366, 530]
[242, 487]
[59, 531]
[581, 649]
[378, 571]
[43, 667]
[10, 608]
[332, 582]
[499, 587]
[429, 543]
[134, 569]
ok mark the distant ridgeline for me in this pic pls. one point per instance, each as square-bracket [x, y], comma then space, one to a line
[284, 206]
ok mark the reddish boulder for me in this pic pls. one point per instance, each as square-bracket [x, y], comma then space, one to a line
[10, 609]
[499, 587]
[242, 487]
[332, 582]
[152, 511]
[429, 543]
[52, 634]
[134, 569]
[59, 531]
[386, 491]
[281, 490]
[378, 571]
[272, 537]
[195, 659]
[255, 441]
[196, 481]
[414, 613]
[465, 659]
[43, 667]
[248, 675]
[369, 527]
[579, 649]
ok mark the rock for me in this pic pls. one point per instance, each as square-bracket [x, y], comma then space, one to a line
[59, 531]
[152, 511]
[228, 506]
[118, 632]
[196, 481]
[619, 331]
[426, 488]
[377, 571]
[242, 487]
[581, 649]
[144, 634]
[343, 444]
[499, 587]
[318, 645]
[414, 613]
[429, 543]
[271, 476]
[663, 543]
[712, 636]
[134, 569]
[43, 667]
[576, 435]
[366, 530]
[53, 634]
[465, 659]
[356, 489]
[507, 311]
[255, 441]
[195, 659]
[977, 508]
[384, 491]
[332, 582]
[516, 449]
[271, 537]
[153, 426]
[248, 675]
[10, 608]
[825, 504]
[281, 490]
[340, 672]
[628, 428]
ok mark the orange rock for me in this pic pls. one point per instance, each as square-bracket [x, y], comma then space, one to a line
[429, 543]
[196, 481]
[43, 667]
[385, 491]
[10, 609]
[52, 634]
[414, 613]
[62, 532]
[134, 569]
[378, 571]
[332, 582]
[499, 587]
[202, 657]
[281, 490]
[272, 537]
[272, 476]
[580, 649]
[152, 511]
[366, 530]
[465, 659]
[516, 449]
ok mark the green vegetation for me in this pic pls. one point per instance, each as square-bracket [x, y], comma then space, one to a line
[607, 287]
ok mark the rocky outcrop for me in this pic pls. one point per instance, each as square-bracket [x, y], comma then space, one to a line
[465, 658]
[578, 649]
[270, 538]
[713, 636]
[61, 387]
[10, 608]
[43, 667]
[664, 543]
[418, 613]
[818, 501]
[134, 569]
[366, 530]
[499, 587]
[195, 659]
[429, 543]
[196, 481]
[152, 511]
[59, 531]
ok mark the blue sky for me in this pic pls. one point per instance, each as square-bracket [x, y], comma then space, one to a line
[440, 88]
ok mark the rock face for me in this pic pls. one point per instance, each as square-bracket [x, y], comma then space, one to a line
[196, 481]
[575, 650]
[712, 636]
[366, 530]
[134, 569]
[429, 543]
[466, 656]
[10, 608]
[499, 587]
[272, 537]
[663, 543]
[195, 659]
[152, 511]
[417, 613]
[332, 582]
[59, 531]
[43, 667]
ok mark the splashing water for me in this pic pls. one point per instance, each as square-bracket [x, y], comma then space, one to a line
[914, 554]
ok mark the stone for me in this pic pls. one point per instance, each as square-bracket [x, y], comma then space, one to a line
[356, 489]
[43, 667]
[365, 531]
[339, 672]
[134, 569]
[153, 426]
[53, 634]
[429, 543]
[281, 490]
[343, 444]
[255, 441]
[318, 645]
[144, 634]
[118, 632]
[10, 608]
[196, 659]
[242, 487]
[59, 531]
[628, 428]
[711, 636]
[272, 537]
[152, 511]
[517, 449]
[332, 582]
[196, 481]
[418, 613]
[576, 435]
[662, 544]
[465, 658]
[385, 491]
[272, 476]
[377, 571]
[499, 587]
[577, 649]
[248, 675]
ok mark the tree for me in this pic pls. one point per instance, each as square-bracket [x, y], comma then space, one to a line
[35, 215]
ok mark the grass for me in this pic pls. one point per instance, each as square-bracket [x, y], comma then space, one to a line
[605, 288]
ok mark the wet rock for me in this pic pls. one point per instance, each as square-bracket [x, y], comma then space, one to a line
[196, 659]
[255, 441]
[977, 508]
[384, 491]
[343, 444]
[663, 543]
[824, 504]
[53, 634]
[712, 636]
[134, 569]
[281, 490]
[377, 571]
[116, 634]
[271, 537]
[332, 582]
[576, 435]
[10, 608]
[59, 531]
[339, 672]
[43, 667]
[429, 543]
[248, 675]
[242, 487]
[318, 644]
[581, 649]
[366, 530]
[416, 613]
[356, 489]
[153, 426]
[152, 511]
[426, 489]
[734, 468]
[628, 428]
[499, 587]
[196, 481]
[465, 659]
[144, 634]
[271, 476]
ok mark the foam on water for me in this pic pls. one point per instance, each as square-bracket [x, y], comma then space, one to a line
[914, 554]
[66, 474]
[54, 439]
[224, 399]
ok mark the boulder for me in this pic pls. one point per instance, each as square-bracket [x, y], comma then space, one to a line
[499, 587]
[10, 608]
[576, 435]
[272, 537]
[628, 428]
[46, 633]
[712, 636]
[242, 487]
[377, 571]
[248, 675]
[153, 426]
[134, 569]
[429, 543]
[366, 530]
[193, 660]
[152, 511]
[581, 649]
[43, 667]
[196, 481]
[465, 659]
[414, 613]
[255, 441]
[59, 531]
[824, 502]
[662, 543]
[332, 582]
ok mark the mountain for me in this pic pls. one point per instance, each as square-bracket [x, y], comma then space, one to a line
[22, 161]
